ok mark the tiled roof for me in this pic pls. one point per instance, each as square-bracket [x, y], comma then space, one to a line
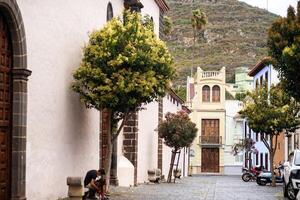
[162, 5]
[175, 96]
[259, 66]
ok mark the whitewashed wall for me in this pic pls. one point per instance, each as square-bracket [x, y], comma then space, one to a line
[62, 136]
[147, 141]
[151, 8]
[234, 131]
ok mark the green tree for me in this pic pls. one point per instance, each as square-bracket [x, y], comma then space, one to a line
[181, 91]
[271, 113]
[124, 65]
[240, 96]
[284, 48]
[198, 21]
[167, 25]
[177, 131]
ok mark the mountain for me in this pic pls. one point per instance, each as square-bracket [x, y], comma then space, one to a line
[236, 35]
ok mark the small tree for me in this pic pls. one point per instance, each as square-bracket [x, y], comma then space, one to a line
[124, 65]
[167, 25]
[271, 113]
[178, 132]
[284, 48]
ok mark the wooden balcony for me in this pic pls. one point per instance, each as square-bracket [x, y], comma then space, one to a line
[210, 140]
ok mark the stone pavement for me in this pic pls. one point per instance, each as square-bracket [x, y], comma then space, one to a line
[200, 188]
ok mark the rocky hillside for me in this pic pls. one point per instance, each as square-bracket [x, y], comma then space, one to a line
[235, 36]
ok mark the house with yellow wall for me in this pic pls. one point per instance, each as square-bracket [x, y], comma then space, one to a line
[206, 100]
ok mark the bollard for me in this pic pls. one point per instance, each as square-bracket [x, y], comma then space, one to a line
[76, 190]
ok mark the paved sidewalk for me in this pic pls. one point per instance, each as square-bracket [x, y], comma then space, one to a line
[200, 188]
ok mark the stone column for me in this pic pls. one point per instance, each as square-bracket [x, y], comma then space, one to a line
[19, 121]
[130, 142]
[114, 164]
[160, 143]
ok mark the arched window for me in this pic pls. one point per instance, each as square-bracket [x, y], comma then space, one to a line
[216, 93]
[205, 93]
[110, 12]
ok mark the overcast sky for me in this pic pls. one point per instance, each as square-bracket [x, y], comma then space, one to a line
[278, 7]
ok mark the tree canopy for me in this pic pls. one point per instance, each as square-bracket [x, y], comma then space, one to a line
[271, 112]
[177, 130]
[284, 48]
[124, 65]
[199, 19]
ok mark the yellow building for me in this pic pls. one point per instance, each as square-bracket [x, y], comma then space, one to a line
[206, 99]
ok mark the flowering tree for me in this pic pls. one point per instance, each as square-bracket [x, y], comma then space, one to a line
[124, 65]
[271, 113]
[177, 131]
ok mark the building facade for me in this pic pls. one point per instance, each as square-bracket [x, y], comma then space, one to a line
[46, 132]
[233, 160]
[243, 82]
[263, 74]
[139, 148]
[206, 99]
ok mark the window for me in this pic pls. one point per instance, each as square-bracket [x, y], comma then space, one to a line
[110, 13]
[206, 93]
[256, 83]
[216, 93]
[267, 161]
[256, 159]
[261, 159]
[261, 81]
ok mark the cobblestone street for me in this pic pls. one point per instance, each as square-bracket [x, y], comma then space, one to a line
[200, 188]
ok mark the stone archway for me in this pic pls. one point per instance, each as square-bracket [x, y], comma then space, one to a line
[18, 88]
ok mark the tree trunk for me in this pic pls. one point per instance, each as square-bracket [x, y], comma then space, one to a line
[109, 152]
[272, 153]
[171, 165]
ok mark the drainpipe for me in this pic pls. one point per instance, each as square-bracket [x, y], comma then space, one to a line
[183, 168]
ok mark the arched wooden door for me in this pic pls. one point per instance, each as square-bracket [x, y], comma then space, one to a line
[5, 109]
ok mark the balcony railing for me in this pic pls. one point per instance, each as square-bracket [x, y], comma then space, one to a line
[209, 74]
[210, 140]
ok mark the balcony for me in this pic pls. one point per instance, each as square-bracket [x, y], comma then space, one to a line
[210, 140]
[210, 74]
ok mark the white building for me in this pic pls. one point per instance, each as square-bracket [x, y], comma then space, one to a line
[46, 133]
[233, 135]
[263, 73]
[139, 147]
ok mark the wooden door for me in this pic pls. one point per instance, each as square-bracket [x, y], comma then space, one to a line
[5, 109]
[210, 160]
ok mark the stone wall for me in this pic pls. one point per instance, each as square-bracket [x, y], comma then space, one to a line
[130, 142]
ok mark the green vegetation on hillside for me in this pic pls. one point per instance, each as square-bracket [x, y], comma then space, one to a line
[236, 35]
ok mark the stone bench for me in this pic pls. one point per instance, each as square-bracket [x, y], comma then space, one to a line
[154, 175]
[76, 190]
